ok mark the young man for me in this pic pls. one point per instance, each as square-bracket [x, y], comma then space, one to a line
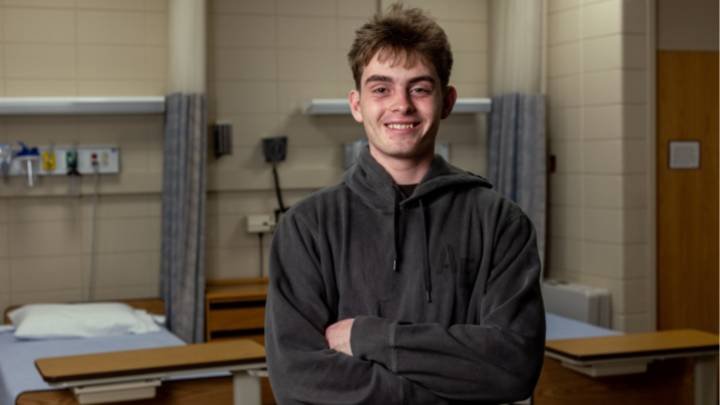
[412, 281]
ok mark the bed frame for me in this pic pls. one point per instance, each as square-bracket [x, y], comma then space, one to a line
[213, 390]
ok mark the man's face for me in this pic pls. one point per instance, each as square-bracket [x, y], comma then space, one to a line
[400, 107]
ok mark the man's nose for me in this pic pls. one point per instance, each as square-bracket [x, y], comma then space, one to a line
[403, 103]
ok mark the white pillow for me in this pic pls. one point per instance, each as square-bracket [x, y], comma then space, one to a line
[46, 321]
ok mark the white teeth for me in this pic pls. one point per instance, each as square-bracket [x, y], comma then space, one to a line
[400, 126]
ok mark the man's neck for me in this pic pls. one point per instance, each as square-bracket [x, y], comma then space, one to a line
[404, 171]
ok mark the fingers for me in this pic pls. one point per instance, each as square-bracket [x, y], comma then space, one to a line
[337, 336]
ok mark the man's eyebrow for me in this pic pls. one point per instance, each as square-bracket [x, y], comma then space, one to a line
[378, 78]
[426, 78]
[381, 78]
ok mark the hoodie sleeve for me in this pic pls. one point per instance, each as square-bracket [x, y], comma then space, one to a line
[496, 356]
[302, 368]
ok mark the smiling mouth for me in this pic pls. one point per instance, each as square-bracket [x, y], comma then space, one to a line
[395, 125]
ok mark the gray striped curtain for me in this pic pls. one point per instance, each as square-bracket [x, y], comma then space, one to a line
[517, 164]
[182, 274]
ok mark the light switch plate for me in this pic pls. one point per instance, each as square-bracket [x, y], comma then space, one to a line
[260, 223]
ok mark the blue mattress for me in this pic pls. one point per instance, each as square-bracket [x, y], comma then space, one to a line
[17, 367]
[559, 327]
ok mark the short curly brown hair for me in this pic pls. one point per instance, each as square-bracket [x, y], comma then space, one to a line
[404, 34]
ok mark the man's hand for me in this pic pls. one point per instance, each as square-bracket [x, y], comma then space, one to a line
[338, 336]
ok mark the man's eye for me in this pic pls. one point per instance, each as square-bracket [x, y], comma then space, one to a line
[380, 90]
[420, 90]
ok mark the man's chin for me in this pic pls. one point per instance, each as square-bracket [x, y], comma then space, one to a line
[413, 153]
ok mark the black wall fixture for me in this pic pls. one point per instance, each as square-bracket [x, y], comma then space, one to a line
[275, 151]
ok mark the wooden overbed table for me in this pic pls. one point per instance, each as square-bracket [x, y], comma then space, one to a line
[135, 374]
[631, 354]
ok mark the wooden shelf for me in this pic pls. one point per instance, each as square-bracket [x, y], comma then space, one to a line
[235, 310]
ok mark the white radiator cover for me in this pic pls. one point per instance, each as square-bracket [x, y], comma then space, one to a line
[576, 301]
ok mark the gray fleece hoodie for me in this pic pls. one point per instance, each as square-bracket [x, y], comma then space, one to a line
[443, 285]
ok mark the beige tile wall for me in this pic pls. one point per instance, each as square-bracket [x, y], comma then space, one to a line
[47, 243]
[81, 48]
[598, 131]
[266, 59]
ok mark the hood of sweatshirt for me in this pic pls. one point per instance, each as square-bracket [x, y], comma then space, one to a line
[377, 189]
[374, 185]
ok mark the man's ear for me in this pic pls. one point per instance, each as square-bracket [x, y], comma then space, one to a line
[354, 100]
[449, 99]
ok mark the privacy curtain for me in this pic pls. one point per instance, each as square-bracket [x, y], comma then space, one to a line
[516, 126]
[516, 154]
[182, 276]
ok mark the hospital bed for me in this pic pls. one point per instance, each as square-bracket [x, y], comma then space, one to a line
[150, 368]
[584, 364]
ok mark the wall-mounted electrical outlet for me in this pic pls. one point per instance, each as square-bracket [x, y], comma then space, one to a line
[107, 159]
[260, 223]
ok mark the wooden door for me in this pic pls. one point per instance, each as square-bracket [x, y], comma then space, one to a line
[687, 199]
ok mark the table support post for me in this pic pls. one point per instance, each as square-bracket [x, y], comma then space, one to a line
[246, 389]
[706, 380]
